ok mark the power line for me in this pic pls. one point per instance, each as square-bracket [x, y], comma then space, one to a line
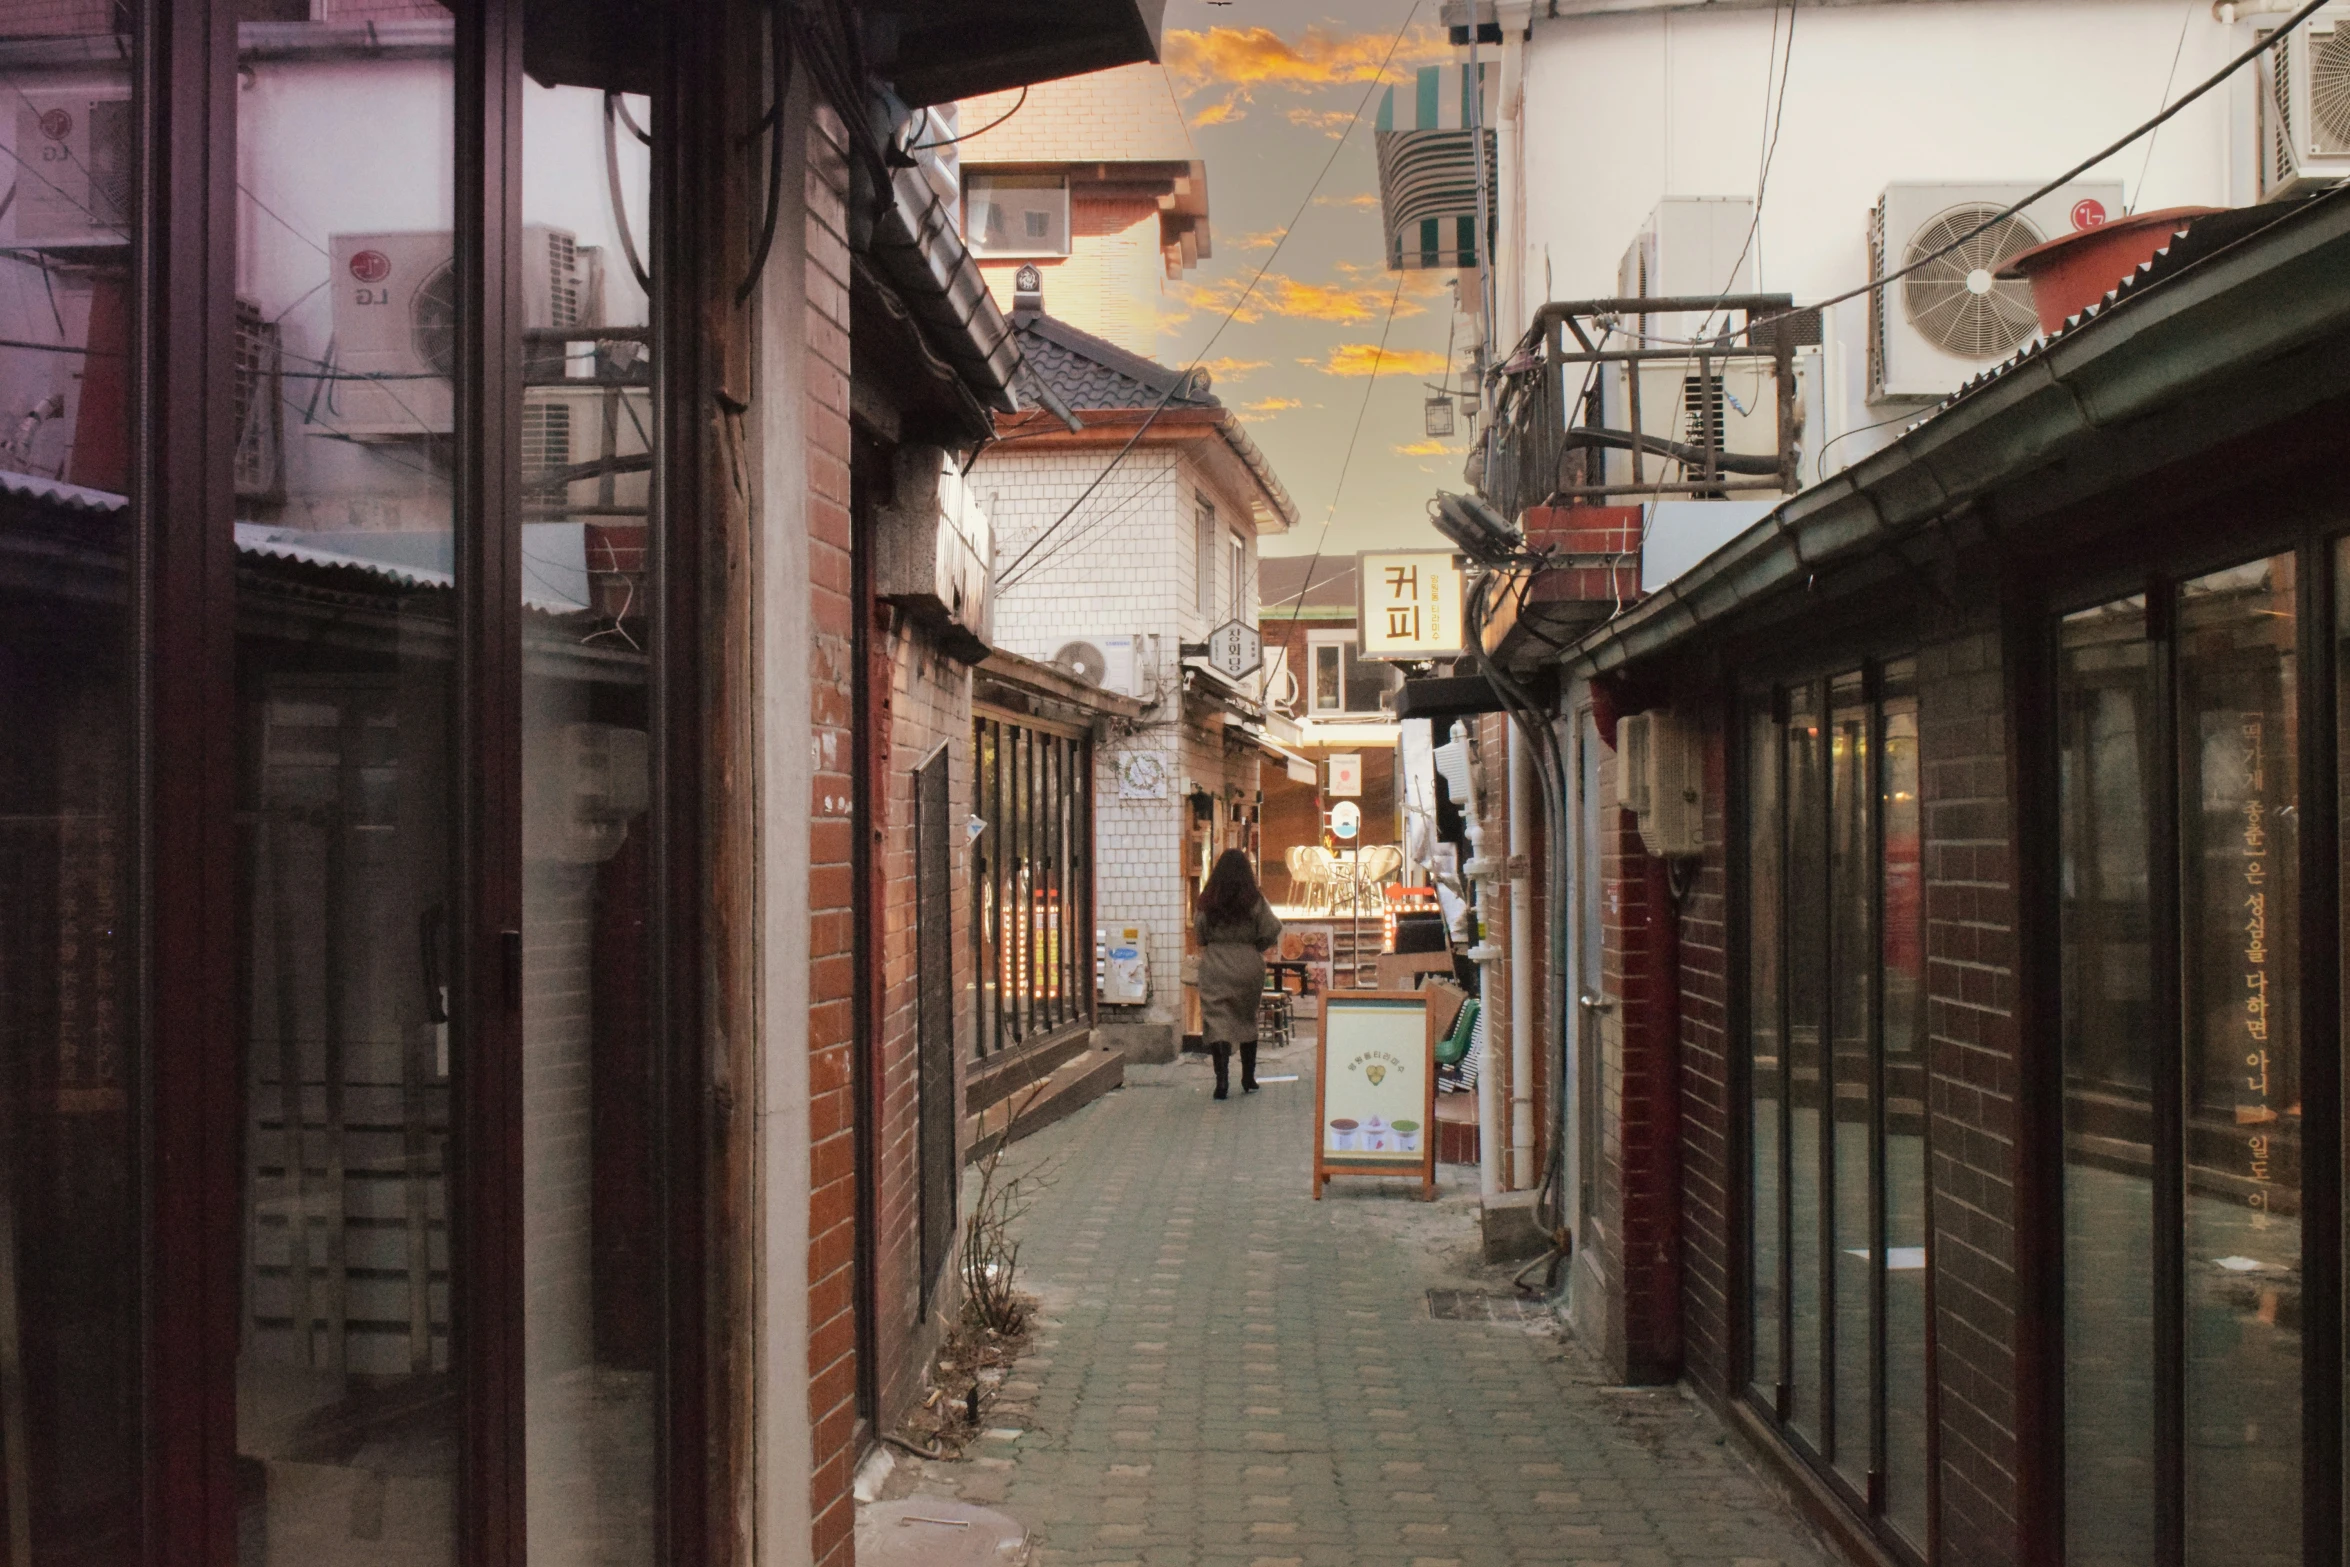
[1291, 227]
[2199, 91]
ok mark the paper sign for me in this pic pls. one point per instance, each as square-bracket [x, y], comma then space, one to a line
[1376, 1110]
[1411, 605]
[1346, 776]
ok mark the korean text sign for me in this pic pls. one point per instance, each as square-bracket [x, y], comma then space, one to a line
[1411, 605]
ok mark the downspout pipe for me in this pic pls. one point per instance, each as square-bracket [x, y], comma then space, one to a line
[1523, 789]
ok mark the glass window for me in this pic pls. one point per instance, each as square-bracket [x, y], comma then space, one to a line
[1834, 970]
[1016, 214]
[1236, 559]
[346, 1424]
[591, 1037]
[70, 1209]
[1204, 560]
[1031, 882]
[1329, 677]
[1766, 1069]
[2239, 909]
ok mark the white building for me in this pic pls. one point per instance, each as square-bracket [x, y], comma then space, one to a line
[1125, 580]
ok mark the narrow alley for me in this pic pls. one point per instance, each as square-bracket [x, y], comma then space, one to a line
[1226, 1372]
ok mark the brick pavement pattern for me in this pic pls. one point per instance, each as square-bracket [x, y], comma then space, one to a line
[1229, 1374]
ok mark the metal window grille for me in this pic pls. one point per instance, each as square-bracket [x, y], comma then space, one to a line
[1031, 882]
[260, 406]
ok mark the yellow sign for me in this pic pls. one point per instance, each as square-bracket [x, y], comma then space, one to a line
[1411, 605]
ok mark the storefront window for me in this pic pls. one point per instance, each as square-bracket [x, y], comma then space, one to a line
[591, 1031]
[2182, 1078]
[1031, 880]
[2105, 772]
[348, 314]
[1835, 980]
[70, 1209]
[2239, 907]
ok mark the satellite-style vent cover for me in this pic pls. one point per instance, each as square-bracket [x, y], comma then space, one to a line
[2329, 87]
[1085, 660]
[1956, 301]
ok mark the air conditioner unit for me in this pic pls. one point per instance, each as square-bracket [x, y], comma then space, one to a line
[1690, 246]
[934, 552]
[1661, 780]
[395, 323]
[2305, 106]
[1934, 329]
[1117, 664]
[74, 158]
[587, 430]
[1736, 403]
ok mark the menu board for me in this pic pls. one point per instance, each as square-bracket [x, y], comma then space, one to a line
[1375, 1088]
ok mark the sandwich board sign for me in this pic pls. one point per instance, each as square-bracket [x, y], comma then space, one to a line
[1375, 1088]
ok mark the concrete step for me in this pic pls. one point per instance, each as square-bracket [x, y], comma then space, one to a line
[1068, 1089]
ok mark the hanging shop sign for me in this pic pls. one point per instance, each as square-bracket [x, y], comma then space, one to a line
[1346, 776]
[1411, 605]
[1375, 1088]
[1235, 649]
[1346, 819]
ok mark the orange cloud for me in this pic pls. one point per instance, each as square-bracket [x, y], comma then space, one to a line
[1368, 359]
[1423, 449]
[1278, 295]
[1271, 405]
[1264, 241]
[1226, 369]
[1242, 60]
[1331, 120]
[1366, 199]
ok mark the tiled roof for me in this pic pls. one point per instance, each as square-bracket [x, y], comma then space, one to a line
[1091, 373]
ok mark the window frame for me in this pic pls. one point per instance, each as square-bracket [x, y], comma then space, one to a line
[1032, 791]
[975, 181]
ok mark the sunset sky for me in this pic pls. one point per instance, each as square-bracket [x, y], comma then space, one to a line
[1267, 86]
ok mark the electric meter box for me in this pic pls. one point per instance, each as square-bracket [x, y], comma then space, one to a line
[1122, 964]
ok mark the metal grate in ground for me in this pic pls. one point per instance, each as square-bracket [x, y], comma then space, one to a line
[1484, 1306]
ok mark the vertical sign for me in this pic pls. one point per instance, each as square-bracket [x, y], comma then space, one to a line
[1346, 776]
[1411, 605]
[1375, 1088]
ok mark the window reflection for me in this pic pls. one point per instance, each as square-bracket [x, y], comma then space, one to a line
[1902, 961]
[1766, 1067]
[2239, 904]
[591, 1234]
[1807, 1079]
[346, 324]
[69, 1211]
[2105, 772]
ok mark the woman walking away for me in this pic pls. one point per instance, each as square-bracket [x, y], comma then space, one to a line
[1236, 927]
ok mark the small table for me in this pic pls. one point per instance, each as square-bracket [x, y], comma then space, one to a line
[1281, 970]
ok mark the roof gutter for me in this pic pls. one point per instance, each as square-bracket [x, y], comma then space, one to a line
[2274, 291]
[917, 245]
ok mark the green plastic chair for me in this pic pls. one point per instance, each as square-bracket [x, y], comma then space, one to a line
[1453, 1048]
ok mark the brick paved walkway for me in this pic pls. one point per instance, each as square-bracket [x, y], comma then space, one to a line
[1230, 1373]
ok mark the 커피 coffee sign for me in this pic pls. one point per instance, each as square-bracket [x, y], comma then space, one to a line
[1411, 605]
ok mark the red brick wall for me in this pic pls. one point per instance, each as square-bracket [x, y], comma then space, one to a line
[1593, 532]
[1972, 1029]
[1639, 1155]
[929, 703]
[832, 1218]
[1706, 1331]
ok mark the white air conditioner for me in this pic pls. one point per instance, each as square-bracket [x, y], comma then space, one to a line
[395, 323]
[1933, 330]
[1692, 247]
[1661, 773]
[1119, 664]
[74, 159]
[571, 427]
[1735, 402]
[2305, 106]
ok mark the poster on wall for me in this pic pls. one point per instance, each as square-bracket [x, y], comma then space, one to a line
[1375, 1089]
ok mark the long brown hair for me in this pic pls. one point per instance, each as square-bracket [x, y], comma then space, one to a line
[1231, 893]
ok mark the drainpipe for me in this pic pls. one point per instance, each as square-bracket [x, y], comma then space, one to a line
[1523, 788]
[1488, 1103]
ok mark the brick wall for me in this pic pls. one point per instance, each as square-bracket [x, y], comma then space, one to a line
[832, 1219]
[930, 705]
[1639, 1155]
[1706, 1331]
[1972, 1040]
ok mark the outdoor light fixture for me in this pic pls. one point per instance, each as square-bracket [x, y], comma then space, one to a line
[1480, 531]
[1439, 411]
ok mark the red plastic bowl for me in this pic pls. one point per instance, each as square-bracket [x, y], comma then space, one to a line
[2070, 274]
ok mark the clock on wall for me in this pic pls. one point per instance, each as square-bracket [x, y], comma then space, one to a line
[1142, 775]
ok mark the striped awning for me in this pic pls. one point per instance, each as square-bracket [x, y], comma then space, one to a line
[1428, 166]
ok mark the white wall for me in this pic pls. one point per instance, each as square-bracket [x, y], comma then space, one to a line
[1621, 111]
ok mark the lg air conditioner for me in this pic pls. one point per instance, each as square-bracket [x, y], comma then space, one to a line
[395, 325]
[1938, 326]
[74, 158]
[2305, 106]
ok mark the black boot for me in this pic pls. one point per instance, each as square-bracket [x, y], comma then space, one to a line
[1223, 1055]
[1248, 1067]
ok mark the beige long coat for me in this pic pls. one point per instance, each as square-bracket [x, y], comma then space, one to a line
[1232, 975]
